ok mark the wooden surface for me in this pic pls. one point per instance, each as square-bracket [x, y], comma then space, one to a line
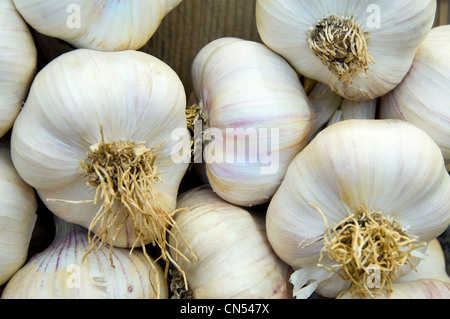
[195, 23]
[442, 12]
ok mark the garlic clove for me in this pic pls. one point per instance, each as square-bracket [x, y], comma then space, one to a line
[18, 62]
[234, 258]
[17, 217]
[59, 272]
[102, 25]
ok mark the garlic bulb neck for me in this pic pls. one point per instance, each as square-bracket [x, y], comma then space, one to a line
[364, 242]
[341, 45]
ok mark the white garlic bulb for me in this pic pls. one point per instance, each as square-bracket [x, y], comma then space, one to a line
[102, 25]
[422, 97]
[360, 48]
[18, 60]
[234, 258]
[428, 281]
[95, 140]
[17, 217]
[257, 118]
[59, 272]
[362, 196]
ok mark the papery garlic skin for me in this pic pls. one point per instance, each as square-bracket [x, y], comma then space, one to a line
[17, 217]
[392, 31]
[234, 258]
[431, 267]
[18, 61]
[101, 25]
[249, 90]
[127, 96]
[422, 97]
[389, 166]
[58, 272]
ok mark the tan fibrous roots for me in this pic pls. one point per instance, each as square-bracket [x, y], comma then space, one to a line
[341, 45]
[124, 175]
[368, 249]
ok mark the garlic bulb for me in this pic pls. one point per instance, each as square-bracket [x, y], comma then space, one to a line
[430, 280]
[363, 196]
[59, 272]
[17, 217]
[235, 259]
[95, 140]
[422, 97]
[102, 25]
[18, 60]
[257, 118]
[361, 49]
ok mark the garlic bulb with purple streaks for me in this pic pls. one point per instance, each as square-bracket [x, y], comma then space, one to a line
[257, 118]
[95, 140]
[59, 272]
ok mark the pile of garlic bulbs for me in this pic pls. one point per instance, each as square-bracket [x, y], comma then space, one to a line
[311, 161]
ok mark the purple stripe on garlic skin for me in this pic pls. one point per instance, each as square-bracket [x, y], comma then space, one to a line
[59, 272]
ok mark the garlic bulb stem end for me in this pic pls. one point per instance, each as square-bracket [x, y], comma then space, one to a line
[366, 244]
[341, 45]
[123, 174]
